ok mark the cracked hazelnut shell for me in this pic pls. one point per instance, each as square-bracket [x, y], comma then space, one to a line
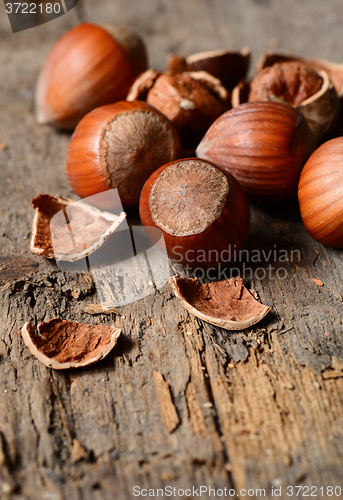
[292, 82]
[227, 304]
[334, 70]
[191, 100]
[119, 146]
[62, 344]
[90, 66]
[320, 194]
[264, 145]
[307, 89]
[90, 228]
[227, 65]
[202, 212]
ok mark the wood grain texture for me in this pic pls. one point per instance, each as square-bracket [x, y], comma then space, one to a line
[258, 408]
[168, 411]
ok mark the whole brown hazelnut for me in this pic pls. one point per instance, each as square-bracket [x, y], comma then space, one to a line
[90, 66]
[202, 212]
[320, 193]
[264, 145]
[119, 146]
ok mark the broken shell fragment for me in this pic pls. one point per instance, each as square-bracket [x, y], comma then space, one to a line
[334, 70]
[309, 90]
[227, 65]
[227, 304]
[76, 232]
[240, 93]
[142, 85]
[322, 109]
[190, 100]
[62, 344]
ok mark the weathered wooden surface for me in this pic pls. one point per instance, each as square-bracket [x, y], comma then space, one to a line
[251, 409]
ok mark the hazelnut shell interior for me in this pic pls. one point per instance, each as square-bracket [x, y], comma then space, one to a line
[308, 89]
[334, 70]
[79, 230]
[227, 304]
[226, 65]
[61, 344]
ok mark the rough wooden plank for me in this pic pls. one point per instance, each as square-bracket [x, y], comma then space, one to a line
[168, 411]
[11, 268]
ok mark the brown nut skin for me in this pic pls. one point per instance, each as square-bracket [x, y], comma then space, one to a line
[320, 194]
[291, 81]
[191, 101]
[307, 89]
[188, 103]
[90, 66]
[119, 146]
[217, 240]
[334, 70]
[141, 86]
[264, 145]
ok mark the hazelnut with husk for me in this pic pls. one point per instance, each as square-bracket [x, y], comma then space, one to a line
[191, 100]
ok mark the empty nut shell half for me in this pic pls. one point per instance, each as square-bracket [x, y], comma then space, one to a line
[291, 82]
[227, 304]
[227, 65]
[307, 89]
[334, 70]
[89, 226]
[62, 344]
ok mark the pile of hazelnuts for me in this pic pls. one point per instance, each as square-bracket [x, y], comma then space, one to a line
[190, 145]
